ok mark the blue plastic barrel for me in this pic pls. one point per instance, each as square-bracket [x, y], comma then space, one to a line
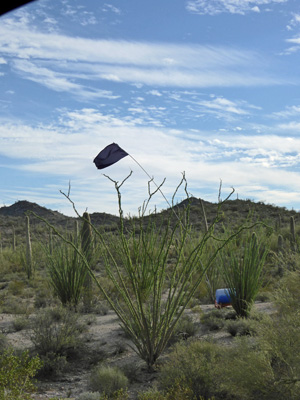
[223, 297]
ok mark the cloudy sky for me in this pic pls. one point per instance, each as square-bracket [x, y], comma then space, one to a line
[209, 87]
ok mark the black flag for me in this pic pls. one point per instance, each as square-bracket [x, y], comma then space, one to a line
[12, 4]
[109, 155]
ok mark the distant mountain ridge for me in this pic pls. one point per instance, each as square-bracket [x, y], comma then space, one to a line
[233, 210]
[22, 207]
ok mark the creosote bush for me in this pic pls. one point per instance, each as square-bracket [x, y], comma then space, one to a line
[56, 334]
[192, 365]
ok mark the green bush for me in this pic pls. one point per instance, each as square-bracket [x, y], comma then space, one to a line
[176, 392]
[184, 329]
[3, 342]
[107, 380]
[20, 323]
[56, 334]
[16, 375]
[192, 366]
[214, 320]
[246, 372]
[89, 396]
[56, 330]
[241, 327]
[53, 365]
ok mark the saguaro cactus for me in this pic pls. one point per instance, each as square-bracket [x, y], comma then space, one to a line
[293, 234]
[14, 238]
[28, 261]
[280, 243]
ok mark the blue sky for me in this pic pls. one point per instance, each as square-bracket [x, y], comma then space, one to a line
[209, 87]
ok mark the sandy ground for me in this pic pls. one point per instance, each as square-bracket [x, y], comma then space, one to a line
[104, 340]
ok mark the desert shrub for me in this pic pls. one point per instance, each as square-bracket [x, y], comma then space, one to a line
[13, 305]
[56, 336]
[3, 342]
[20, 323]
[16, 373]
[241, 327]
[120, 394]
[214, 320]
[16, 287]
[176, 392]
[280, 337]
[107, 380]
[246, 372]
[268, 367]
[184, 329]
[89, 396]
[192, 365]
[53, 365]
[41, 300]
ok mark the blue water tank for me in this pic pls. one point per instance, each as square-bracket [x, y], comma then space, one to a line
[223, 296]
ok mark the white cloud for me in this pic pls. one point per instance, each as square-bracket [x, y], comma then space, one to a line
[66, 150]
[295, 40]
[155, 93]
[111, 8]
[59, 62]
[214, 7]
[2, 60]
[224, 105]
[57, 81]
[290, 111]
[294, 22]
[219, 106]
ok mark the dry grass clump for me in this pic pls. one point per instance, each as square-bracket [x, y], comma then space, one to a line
[107, 380]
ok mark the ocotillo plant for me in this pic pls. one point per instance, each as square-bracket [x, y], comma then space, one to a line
[152, 293]
[242, 275]
[87, 247]
[67, 273]
[28, 260]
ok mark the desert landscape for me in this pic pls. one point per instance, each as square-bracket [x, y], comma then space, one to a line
[89, 350]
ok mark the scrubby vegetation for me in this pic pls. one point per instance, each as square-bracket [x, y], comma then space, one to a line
[156, 272]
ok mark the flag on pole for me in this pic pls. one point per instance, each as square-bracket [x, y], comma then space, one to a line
[109, 155]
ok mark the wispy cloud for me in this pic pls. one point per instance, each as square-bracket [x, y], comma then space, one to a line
[58, 81]
[214, 7]
[217, 106]
[61, 62]
[111, 8]
[290, 111]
